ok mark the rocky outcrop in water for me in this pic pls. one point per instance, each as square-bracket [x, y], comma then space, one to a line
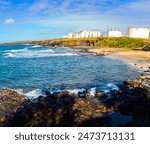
[128, 106]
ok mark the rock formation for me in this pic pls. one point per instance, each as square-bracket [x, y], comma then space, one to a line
[68, 109]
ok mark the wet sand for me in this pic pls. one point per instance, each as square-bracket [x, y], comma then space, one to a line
[138, 58]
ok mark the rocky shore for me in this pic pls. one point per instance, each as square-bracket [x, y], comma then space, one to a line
[127, 106]
[10, 101]
[93, 42]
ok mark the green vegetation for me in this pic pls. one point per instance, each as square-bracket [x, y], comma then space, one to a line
[123, 42]
[110, 42]
[100, 42]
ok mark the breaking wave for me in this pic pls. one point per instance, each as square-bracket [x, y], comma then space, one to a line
[17, 50]
[29, 53]
[92, 91]
[33, 94]
[36, 46]
[30, 94]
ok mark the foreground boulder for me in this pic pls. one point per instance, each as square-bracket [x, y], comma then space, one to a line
[10, 101]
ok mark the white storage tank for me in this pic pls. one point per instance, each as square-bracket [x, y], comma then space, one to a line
[85, 34]
[114, 33]
[98, 34]
[70, 35]
[138, 32]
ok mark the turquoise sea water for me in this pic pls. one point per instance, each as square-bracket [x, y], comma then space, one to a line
[32, 68]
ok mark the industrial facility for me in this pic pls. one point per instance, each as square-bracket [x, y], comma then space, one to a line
[114, 33]
[138, 32]
[85, 34]
[131, 33]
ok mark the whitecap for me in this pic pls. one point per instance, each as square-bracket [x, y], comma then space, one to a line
[106, 91]
[20, 91]
[36, 46]
[33, 94]
[112, 86]
[92, 91]
[17, 50]
[8, 55]
[64, 54]
[36, 54]
[27, 44]
[49, 50]
[75, 91]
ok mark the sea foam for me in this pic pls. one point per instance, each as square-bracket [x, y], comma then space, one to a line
[33, 94]
[29, 53]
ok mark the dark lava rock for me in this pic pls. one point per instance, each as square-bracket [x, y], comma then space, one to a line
[136, 101]
[82, 109]
[63, 109]
[10, 100]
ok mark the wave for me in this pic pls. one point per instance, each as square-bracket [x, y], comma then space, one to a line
[75, 91]
[91, 91]
[49, 50]
[8, 55]
[36, 55]
[33, 94]
[27, 44]
[28, 49]
[17, 50]
[112, 86]
[64, 54]
[36, 46]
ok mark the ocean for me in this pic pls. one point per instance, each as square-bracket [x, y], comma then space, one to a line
[30, 69]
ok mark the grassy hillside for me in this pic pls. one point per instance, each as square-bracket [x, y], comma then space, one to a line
[123, 42]
[100, 42]
[110, 42]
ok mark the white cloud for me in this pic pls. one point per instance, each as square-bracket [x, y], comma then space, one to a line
[77, 14]
[9, 21]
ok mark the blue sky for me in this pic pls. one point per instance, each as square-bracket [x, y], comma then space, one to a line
[45, 19]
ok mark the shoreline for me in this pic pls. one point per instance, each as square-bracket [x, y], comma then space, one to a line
[137, 58]
[117, 107]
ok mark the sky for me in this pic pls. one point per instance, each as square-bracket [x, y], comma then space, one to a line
[46, 19]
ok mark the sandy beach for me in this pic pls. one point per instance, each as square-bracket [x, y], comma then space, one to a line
[138, 58]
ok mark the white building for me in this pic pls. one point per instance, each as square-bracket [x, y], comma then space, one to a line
[70, 35]
[114, 33]
[85, 34]
[138, 32]
[76, 35]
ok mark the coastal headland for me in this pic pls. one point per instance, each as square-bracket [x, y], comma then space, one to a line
[129, 50]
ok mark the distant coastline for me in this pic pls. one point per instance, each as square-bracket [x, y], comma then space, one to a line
[126, 49]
